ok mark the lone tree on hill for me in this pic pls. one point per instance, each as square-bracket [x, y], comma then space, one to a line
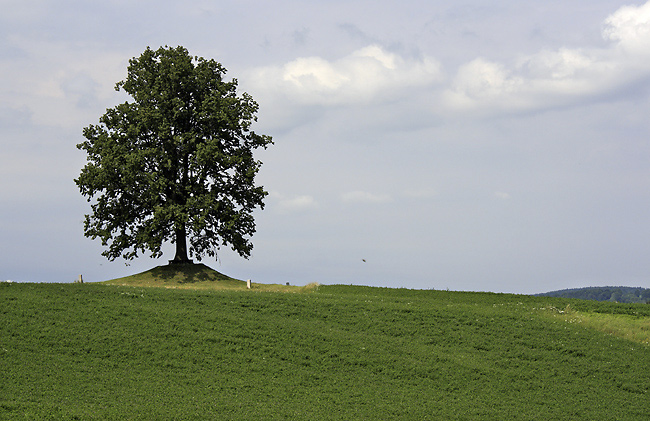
[176, 163]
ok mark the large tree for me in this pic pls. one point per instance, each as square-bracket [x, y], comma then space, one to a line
[175, 163]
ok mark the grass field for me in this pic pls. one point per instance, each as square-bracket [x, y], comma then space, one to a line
[98, 351]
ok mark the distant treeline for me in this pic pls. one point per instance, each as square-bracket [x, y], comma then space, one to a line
[613, 294]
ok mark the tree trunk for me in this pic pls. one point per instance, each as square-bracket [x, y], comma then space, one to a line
[181, 247]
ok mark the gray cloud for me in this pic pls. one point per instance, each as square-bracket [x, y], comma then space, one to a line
[499, 147]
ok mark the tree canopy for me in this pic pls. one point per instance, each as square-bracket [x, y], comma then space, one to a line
[174, 164]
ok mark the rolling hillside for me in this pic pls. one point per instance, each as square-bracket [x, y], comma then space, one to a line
[92, 351]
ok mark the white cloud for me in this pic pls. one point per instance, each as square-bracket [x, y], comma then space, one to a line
[480, 82]
[313, 74]
[560, 77]
[359, 196]
[301, 203]
[547, 79]
[629, 26]
[370, 73]
[550, 78]
[502, 195]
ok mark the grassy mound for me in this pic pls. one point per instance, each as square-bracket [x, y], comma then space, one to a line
[190, 275]
[197, 276]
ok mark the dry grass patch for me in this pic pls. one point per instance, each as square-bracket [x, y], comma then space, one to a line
[632, 328]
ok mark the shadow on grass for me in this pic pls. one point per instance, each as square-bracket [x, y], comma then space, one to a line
[186, 273]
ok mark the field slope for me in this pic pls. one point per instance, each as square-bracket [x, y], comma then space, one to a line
[96, 351]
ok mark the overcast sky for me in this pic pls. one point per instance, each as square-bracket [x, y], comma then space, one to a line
[487, 146]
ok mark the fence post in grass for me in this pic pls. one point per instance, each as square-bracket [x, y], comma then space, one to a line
[248, 284]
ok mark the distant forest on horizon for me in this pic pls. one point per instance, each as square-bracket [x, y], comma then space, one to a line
[612, 294]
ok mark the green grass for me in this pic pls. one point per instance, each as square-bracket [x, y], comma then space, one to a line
[93, 351]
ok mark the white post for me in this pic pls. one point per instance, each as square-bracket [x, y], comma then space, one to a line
[248, 284]
[81, 279]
